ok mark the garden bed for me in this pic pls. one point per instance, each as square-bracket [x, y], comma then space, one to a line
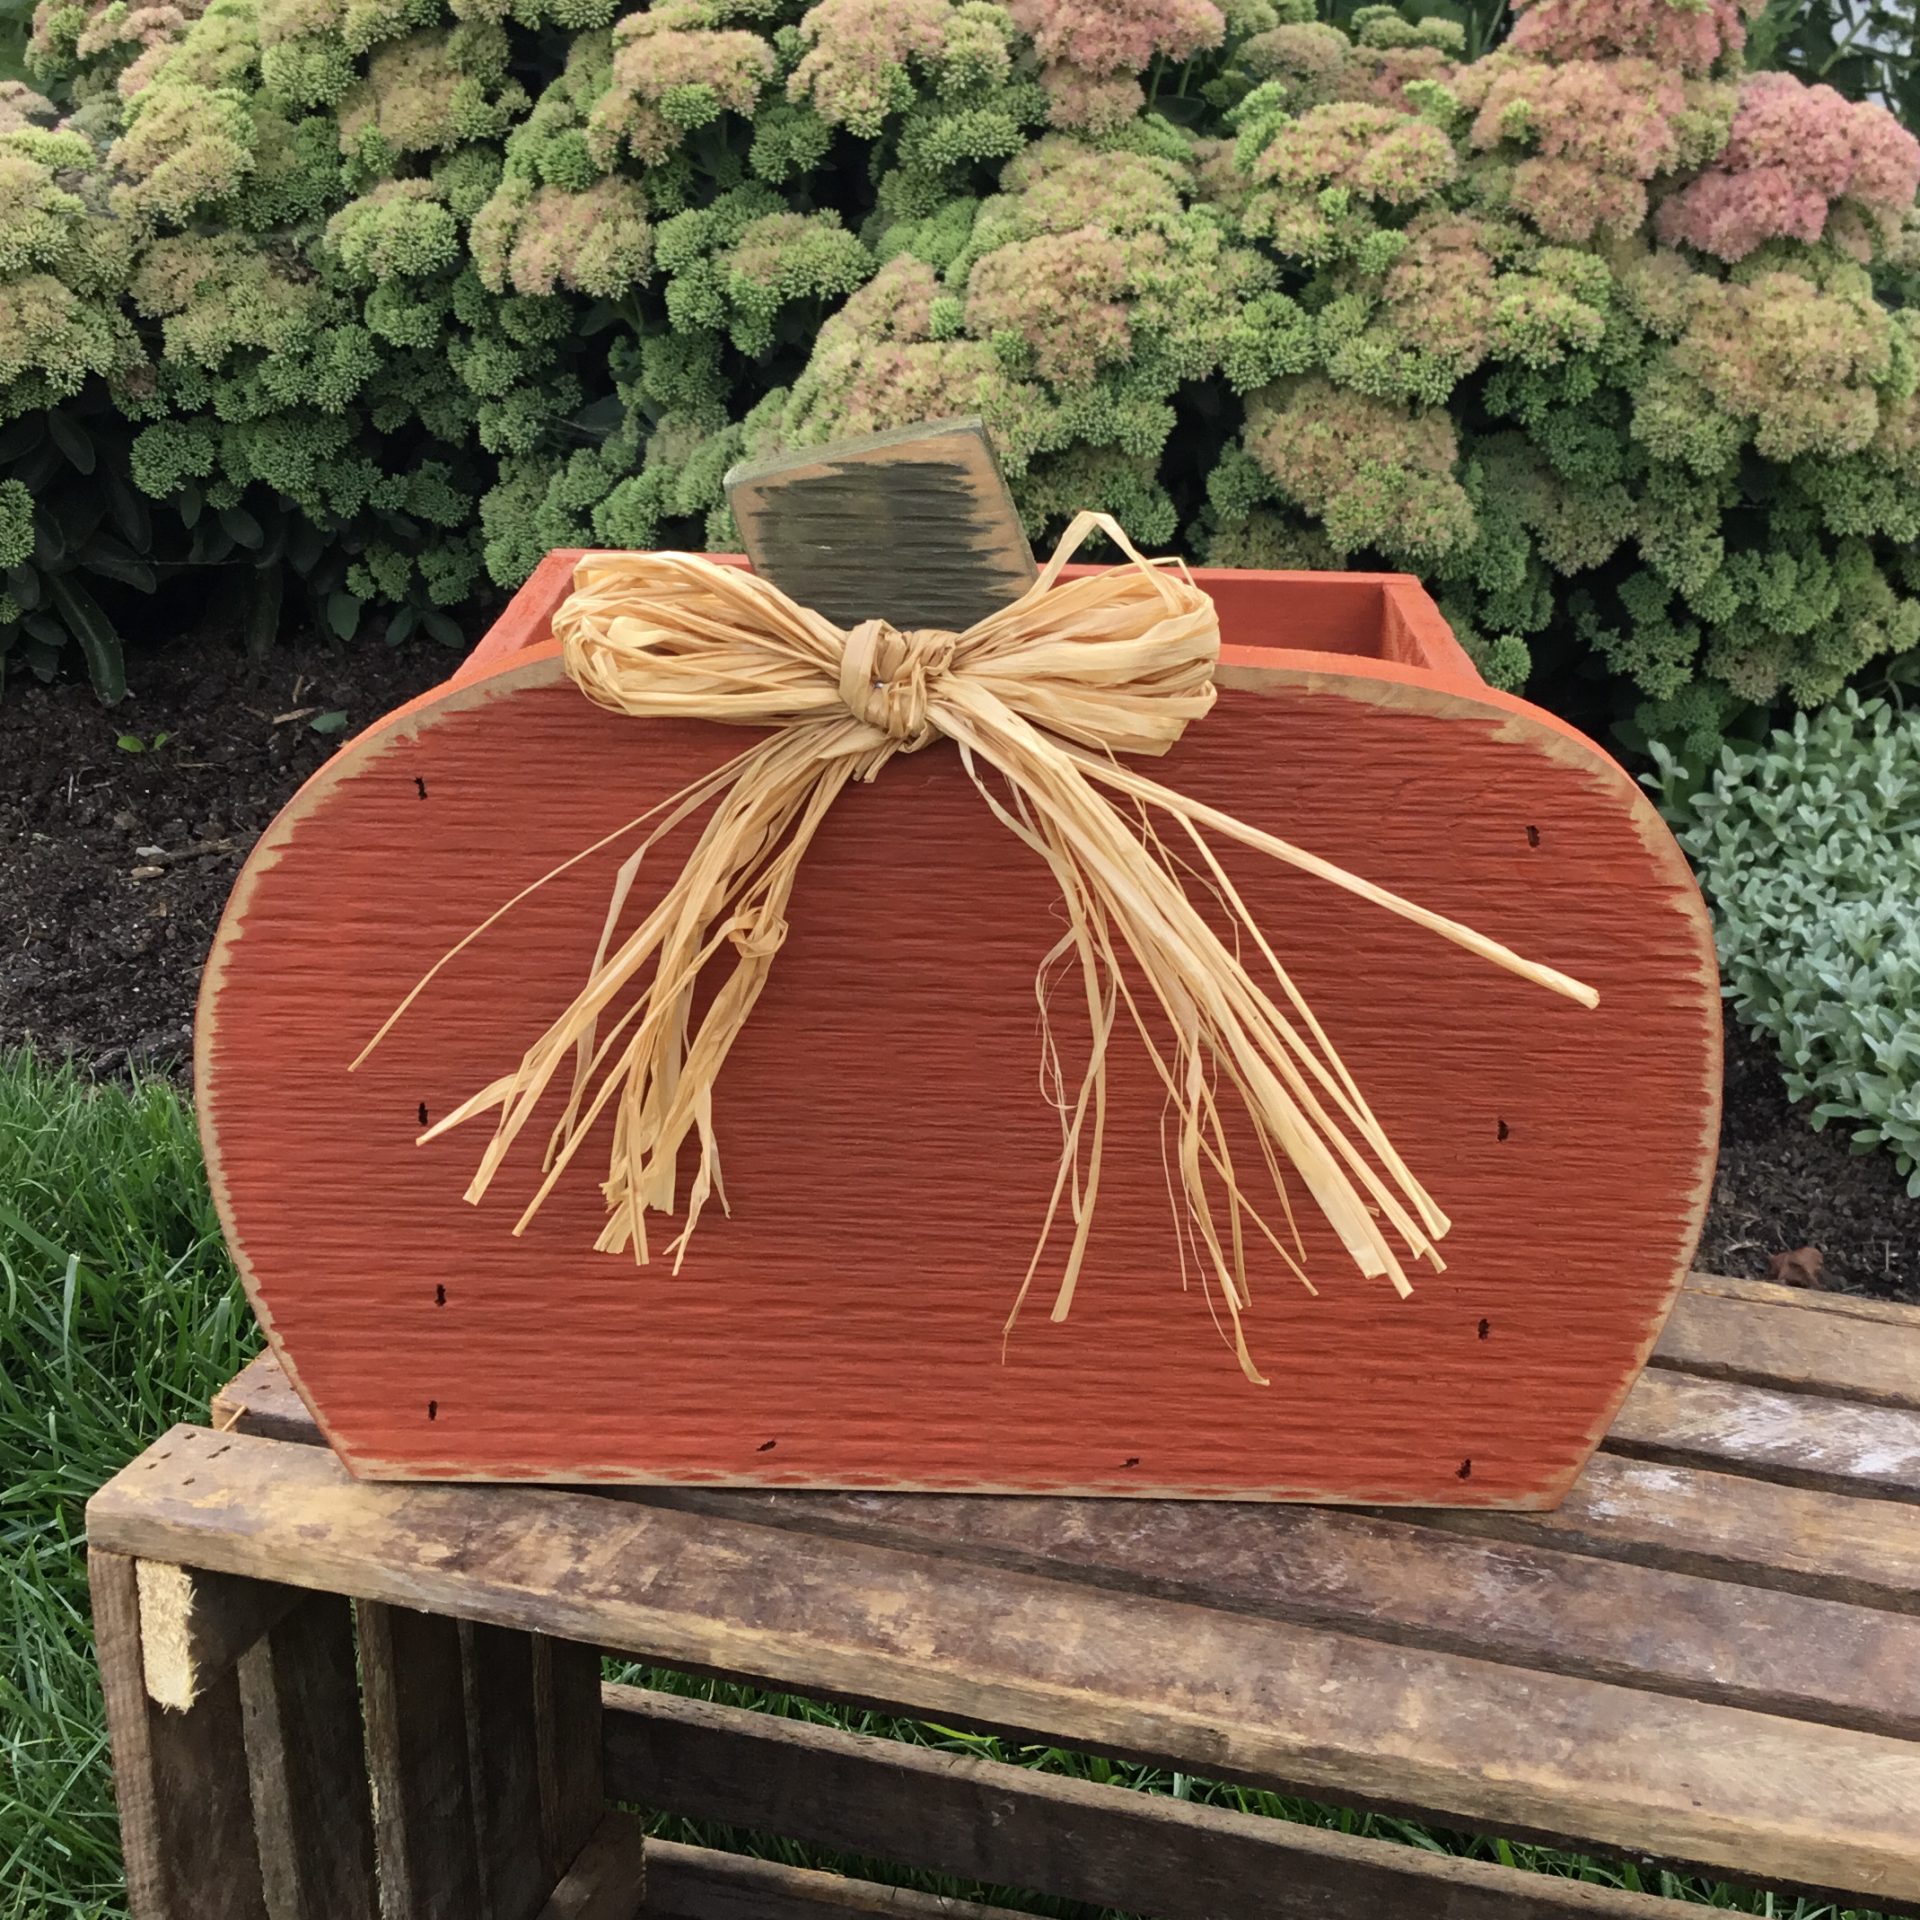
[115, 864]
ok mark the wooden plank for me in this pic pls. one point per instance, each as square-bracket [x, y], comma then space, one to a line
[1004, 1825]
[306, 1756]
[260, 1399]
[1852, 1306]
[194, 1626]
[568, 1741]
[696, 1883]
[607, 1880]
[1768, 1344]
[180, 1779]
[1725, 1526]
[503, 1763]
[1468, 1741]
[1389, 1578]
[914, 526]
[417, 1757]
[1537, 1597]
[1800, 1439]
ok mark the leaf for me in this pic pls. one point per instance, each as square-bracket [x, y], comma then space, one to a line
[241, 527]
[130, 514]
[602, 417]
[106, 665]
[305, 544]
[190, 503]
[343, 613]
[73, 440]
[333, 722]
[443, 628]
[131, 743]
[117, 561]
[20, 438]
[402, 624]
[23, 586]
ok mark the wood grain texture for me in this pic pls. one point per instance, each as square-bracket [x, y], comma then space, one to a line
[697, 1883]
[416, 1721]
[306, 1759]
[194, 1626]
[1802, 1439]
[1004, 1825]
[1467, 1741]
[503, 1766]
[1573, 1149]
[915, 526]
[1544, 1599]
[1769, 1343]
[180, 1779]
[567, 1739]
[607, 1880]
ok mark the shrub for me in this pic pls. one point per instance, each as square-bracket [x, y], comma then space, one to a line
[1806, 847]
[1604, 338]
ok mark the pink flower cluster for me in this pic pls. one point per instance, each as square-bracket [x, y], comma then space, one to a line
[1686, 34]
[1063, 294]
[1599, 130]
[855, 69]
[1092, 51]
[654, 56]
[1794, 151]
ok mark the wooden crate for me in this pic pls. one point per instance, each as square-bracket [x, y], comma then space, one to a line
[1708, 1656]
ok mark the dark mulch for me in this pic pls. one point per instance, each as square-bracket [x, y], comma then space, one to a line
[114, 867]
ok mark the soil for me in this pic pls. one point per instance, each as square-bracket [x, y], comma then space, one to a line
[115, 865]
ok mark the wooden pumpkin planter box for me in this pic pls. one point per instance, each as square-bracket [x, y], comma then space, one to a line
[888, 1148]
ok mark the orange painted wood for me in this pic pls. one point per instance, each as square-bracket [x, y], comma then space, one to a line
[886, 1145]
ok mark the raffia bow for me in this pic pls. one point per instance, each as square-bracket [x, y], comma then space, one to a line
[1043, 693]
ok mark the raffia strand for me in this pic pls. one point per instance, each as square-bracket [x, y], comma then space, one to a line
[1039, 698]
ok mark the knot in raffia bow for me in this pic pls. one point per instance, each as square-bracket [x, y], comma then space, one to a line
[1043, 693]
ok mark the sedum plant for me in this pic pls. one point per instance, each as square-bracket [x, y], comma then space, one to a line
[1602, 335]
[1806, 848]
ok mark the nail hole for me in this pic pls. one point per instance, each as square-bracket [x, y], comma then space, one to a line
[423, 1113]
[1486, 1328]
[421, 786]
[433, 1409]
[1533, 833]
[440, 1300]
[1499, 1129]
[766, 1446]
[218, 1451]
[1132, 1460]
[188, 1481]
[1464, 1471]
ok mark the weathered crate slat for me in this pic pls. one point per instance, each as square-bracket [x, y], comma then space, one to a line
[503, 1756]
[300, 1695]
[186, 1826]
[607, 1879]
[1708, 1655]
[417, 1755]
[1791, 1342]
[696, 1883]
[1799, 1439]
[1469, 1741]
[1011, 1826]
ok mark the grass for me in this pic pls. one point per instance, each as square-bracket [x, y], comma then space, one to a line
[120, 1315]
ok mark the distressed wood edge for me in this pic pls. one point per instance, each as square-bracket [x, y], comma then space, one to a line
[607, 1879]
[701, 1883]
[1030, 1809]
[1852, 1306]
[194, 1626]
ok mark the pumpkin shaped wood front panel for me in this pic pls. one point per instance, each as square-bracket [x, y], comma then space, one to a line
[888, 1147]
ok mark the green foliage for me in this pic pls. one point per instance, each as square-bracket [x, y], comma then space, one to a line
[1806, 847]
[1608, 343]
